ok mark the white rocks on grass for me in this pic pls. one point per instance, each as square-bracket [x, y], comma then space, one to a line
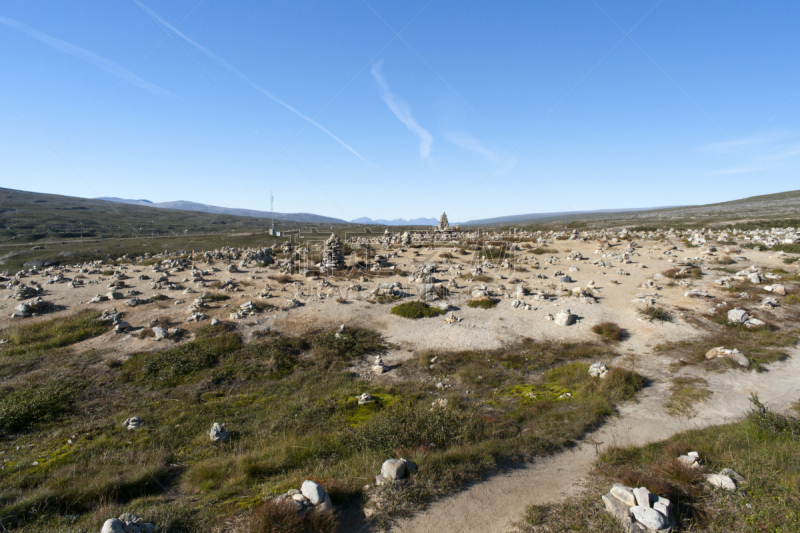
[218, 433]
[722, 481]
[734, 355]
[311, 496]
[127, 523]
[639, 510]
[738, 316]
[365, 398]
[598, 370]
[132, 423]
[394, 470]
[691, 459]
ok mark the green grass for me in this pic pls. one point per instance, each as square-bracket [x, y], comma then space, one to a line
[290, 406]
[416, 310]
[787, 248]
[27, 405]
[482, 304]
[54, 333]
[684, 393]
[332, 350]
[652, 312]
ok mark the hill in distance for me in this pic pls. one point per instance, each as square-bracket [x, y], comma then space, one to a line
[398, 221]
[182, 205]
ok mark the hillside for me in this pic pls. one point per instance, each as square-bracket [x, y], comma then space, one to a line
[33, 217]
[183, 205]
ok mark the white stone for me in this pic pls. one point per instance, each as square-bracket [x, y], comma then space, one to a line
[113, 525]
[649, 517]
[313, 491]
[393, 469]
[623, 494]
[722, 481]
[738, 316]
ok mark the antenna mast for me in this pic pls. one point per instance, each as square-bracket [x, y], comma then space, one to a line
[272, 210]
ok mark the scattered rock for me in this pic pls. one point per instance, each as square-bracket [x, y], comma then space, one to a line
[722, 481]
[133, 423]
[218, 433]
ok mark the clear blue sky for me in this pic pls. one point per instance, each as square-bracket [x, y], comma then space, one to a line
[480, 109]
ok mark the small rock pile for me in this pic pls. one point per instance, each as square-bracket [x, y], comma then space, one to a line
[311, 496]
[740, 316]
[735, 355]
[638, 510]
[598, 370]
[31, 308]
[128, 523]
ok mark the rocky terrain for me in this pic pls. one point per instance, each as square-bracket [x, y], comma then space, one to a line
[410, 381]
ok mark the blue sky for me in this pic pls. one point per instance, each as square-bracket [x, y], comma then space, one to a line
[478, 109]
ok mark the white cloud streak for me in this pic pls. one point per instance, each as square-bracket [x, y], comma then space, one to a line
[468, 142]
[403, 112]
[244, 78]
[85, 55]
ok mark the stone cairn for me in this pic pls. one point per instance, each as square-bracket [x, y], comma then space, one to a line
[332, 256]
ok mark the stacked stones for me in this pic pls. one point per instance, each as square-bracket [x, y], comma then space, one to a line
[311, 496]
[639, 511]
[332, 256]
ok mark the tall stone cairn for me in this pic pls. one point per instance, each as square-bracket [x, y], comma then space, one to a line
[332, 256]
[444, 225]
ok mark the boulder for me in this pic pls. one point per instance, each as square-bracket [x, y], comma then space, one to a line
[722, 481]
[218, 433]
[738, 316]
[393, 469]
[160, 333]
[113, 525]
[649, 517]
[565, 318]
[623, 494]
[313, 491]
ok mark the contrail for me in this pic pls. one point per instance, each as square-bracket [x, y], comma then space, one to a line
[403, 112]
[86, 55]
[244, 78]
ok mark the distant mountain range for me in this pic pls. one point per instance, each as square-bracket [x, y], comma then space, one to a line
[398, 221]
[183, 205]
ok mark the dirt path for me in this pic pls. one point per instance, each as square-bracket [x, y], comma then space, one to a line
[491, 506]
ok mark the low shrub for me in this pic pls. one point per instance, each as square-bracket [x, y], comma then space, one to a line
[354, 342]
[484, 303]
[416, 310]
[652, 312]
[609, 331]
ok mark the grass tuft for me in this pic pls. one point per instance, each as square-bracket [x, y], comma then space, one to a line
[484, 303]
[609, 331]
[416, 310]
